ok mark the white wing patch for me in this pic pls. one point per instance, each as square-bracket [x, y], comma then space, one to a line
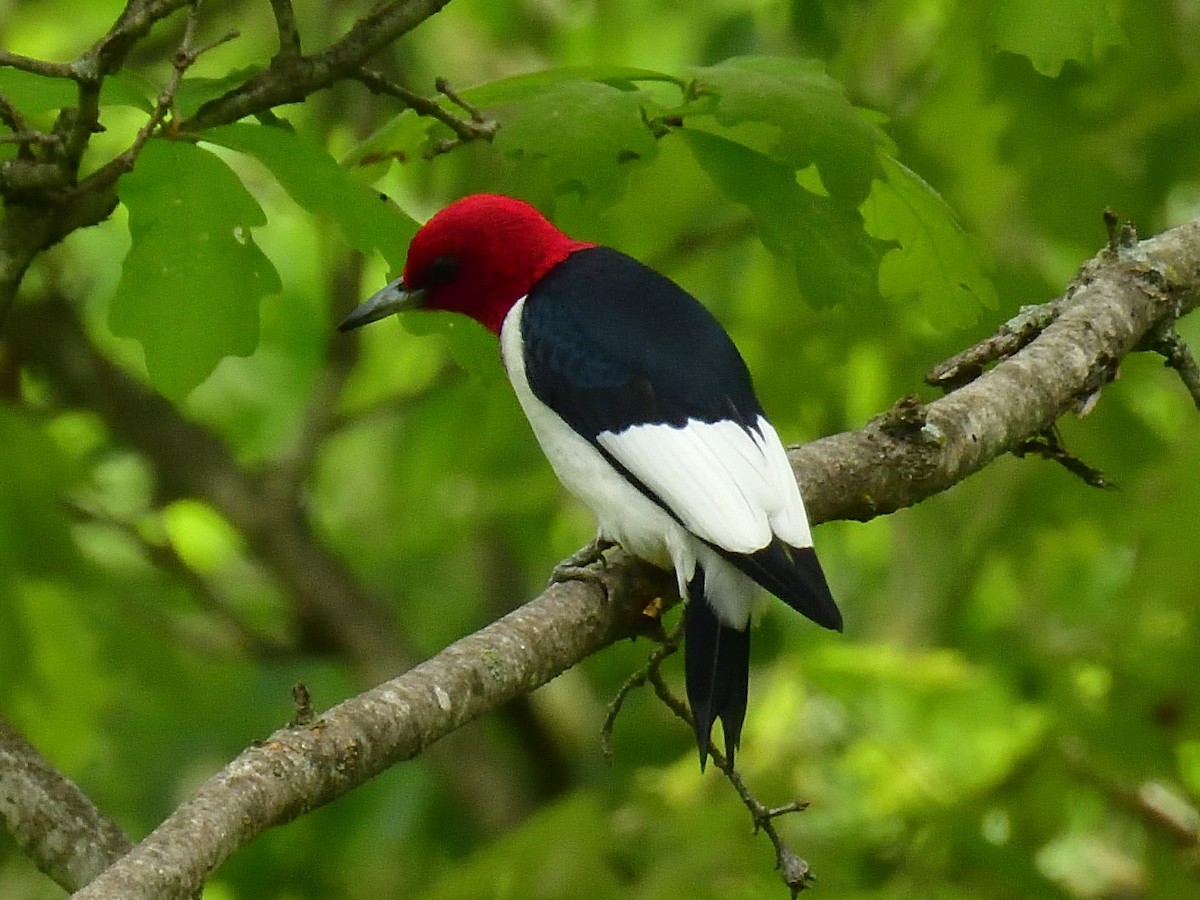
[730, 487]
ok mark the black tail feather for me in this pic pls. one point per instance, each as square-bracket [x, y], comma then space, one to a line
[794, 575]
[717, 663]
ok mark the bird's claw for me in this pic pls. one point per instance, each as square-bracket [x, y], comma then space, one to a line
[578, 566]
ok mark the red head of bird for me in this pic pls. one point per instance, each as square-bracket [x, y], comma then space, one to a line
[478, 256]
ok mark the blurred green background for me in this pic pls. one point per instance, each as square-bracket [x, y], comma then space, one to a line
[1012, 709]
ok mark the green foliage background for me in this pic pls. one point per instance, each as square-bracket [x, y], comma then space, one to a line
[857, 190]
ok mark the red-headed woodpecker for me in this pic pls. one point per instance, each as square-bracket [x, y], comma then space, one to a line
[645, 409]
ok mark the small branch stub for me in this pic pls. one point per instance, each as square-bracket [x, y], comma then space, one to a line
[302, 708]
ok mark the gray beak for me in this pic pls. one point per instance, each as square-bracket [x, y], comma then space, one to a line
[392, 299]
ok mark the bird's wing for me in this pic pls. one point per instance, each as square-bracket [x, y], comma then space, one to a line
[640, 368]
[729, 485]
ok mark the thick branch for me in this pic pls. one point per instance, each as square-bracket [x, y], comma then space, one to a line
[299, 768]
[896, 460]
[292, 78]
[52, 821]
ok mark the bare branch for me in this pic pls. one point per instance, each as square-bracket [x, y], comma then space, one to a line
[51, 819]
[289, 35]
[299, 768]
[36, 66]
[103, 59]
[472, 129]
[1048, 445]
[792, 868]
[1014, 334]
[443, 87]
[31, 137]
[1114, 304]
[184, 58]
[638, 679]
[1179, 357]
[11, 116]
[135, 21]
[291, 80]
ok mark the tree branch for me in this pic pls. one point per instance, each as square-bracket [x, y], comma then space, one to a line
[184, 58]
[60, 206]
[1116, 302]
[897, 459]
[476, 127]
[297, 769]
[291, 78]
[57, 208]
[289, 35]
[52, 821]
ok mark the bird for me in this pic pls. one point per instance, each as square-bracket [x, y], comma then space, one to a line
[646, 412]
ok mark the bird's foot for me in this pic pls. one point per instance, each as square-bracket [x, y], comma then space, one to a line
[578, 566]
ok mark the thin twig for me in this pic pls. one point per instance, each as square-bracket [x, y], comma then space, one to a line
[473, 129]
[444, 88]
[31, 137]
[135, 21]
[184, 58]
[37, 66]
[385, 22]
[23, 135]
[1121, 235]
[1049, 444]
[1179, 357]
[302, 706]
[965, 367]
[11, 116]
[793, 869]
[634, 681]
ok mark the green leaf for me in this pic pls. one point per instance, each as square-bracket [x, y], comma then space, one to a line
[1050, 32]
[578, 135]
[933, 261]
[191, 282]
[817, 124]
[407, 134]
[522, 87]
[33, 94]
[315, 180]
[835, 260]
[470, 344]
[401, 139]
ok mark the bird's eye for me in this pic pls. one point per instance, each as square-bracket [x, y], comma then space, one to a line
[441, 271]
